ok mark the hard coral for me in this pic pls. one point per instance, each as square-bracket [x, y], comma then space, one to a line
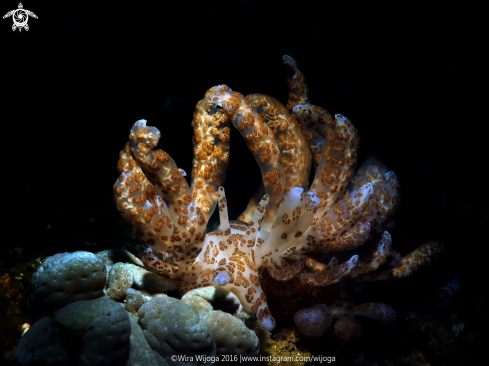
[172, 327]
[65, 278]
[148, 328]
[95, 332]
[221, 310]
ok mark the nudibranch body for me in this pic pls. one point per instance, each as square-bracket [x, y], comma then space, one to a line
[295, 237]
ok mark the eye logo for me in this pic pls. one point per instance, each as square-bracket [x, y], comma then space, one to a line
[20, 17]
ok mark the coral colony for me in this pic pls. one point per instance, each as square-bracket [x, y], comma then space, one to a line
[295, 241]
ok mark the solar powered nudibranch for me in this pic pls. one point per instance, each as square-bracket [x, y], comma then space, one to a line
[296, 238]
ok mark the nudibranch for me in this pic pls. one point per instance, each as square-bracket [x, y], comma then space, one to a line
[295, 237]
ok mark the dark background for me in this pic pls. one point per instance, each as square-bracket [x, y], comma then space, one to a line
[412, 79]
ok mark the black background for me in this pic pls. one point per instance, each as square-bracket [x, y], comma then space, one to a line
[412, 79]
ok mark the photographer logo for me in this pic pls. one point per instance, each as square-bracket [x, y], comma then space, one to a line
[20, 17]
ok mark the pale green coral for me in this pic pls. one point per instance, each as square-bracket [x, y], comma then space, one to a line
[172, 327]
[93, 332]
[146, 329]
[65, 278]
[216, 306]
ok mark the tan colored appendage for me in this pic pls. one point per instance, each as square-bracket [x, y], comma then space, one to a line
[368, 260]
[326, 275]
[353, 238]
[127, 164]
[252, 204]
[420, 257]
[189, 235]
[211, 153]
[347, 329]
[315, 320]
[318, 126]
[159, 168]
[338, 161]
[298, 90]
[296, 156]
[337, 222]
[384, 202]
[228, 260]
[149, 219]
[372, 171]
[375, 310]
[294, 216]
[372, 258]
[164, 266]
[261, 142]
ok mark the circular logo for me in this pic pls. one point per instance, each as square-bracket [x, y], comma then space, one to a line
[20, 17]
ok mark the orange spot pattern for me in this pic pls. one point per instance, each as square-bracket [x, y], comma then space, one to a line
[287, 232]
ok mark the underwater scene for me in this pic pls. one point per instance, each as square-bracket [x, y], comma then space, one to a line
[243, 182]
